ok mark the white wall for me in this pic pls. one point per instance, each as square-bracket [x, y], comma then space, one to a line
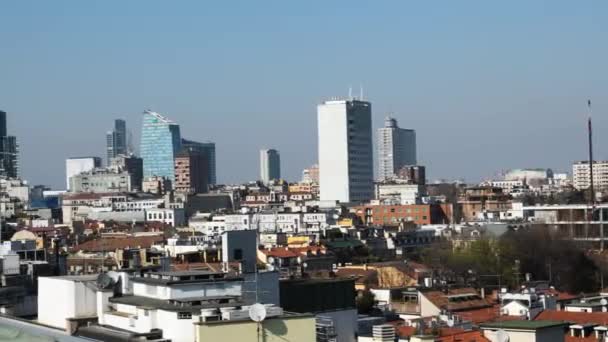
[185, 291]
[60, 298]
[333, 151]
[177, 330]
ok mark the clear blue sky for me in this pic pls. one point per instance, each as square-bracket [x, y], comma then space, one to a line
[488, 85]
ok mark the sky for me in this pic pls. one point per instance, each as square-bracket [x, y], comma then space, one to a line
[487, 85]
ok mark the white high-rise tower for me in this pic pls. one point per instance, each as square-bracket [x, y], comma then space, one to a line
[396, 148]
[346, 170]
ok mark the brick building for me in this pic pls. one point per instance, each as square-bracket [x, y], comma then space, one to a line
[393, 215]
[190, 172]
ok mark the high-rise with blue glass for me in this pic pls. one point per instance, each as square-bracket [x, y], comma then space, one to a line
[160, 143]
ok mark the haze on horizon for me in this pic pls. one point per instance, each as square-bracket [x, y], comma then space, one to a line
[487, 86]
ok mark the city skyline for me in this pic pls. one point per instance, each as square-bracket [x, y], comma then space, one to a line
[454, 79]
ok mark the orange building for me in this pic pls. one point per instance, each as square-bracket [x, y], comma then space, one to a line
[393, 215]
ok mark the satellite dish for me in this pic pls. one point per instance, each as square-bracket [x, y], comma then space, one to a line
[104, 281]
[257, 312]
[502, 336]
[604, 301]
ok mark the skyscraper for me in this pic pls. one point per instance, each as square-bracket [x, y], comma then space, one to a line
[116, 140]
[396, 148]
[270, 165]
[9, 151]
[346, 167]
[160, 142]
[207, 149]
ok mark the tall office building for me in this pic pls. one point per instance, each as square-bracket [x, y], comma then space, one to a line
[160, 142]
[396, 148]
[9, 151]
[77, 165]
[116, 141]
[346, 166]
[190, 172]
[270, 165]
[207, 149]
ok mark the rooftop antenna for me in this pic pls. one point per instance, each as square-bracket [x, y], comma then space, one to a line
[590, 134]
[350, 92]
[360, 92]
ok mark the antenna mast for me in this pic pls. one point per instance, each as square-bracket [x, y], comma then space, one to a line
[590, 133]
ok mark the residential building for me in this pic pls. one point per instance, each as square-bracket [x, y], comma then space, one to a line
[311, 175]
[395, 192]
[101, 181]
[207, 149]
[77, 165]
[581, 175]
[180, 306]
[483, 203]
[131, 164]
[190, 172]
[414, 174]
[396, 148]
[9, 151]
[346, 166]
[156, 185]
[395, 215]
[160, 142]
[171, 217]
[116, 141]
[270, 165]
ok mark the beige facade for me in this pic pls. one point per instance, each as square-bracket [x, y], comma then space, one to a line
[281, 329]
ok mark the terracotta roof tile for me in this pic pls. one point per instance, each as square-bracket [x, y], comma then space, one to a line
[112, 244]
[574, 317]
[279, 253]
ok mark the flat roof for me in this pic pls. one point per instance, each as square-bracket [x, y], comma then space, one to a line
[153, 303]
[523, 325]
[76, 278]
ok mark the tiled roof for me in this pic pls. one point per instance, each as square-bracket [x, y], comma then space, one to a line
[574, 317]
[279, 253]
[466, 336]
[112, 244]
[457, 299]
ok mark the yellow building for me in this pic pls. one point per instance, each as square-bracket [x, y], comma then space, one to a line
[287, 328]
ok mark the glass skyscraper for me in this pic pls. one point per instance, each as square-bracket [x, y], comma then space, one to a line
[160, 143]
[116, 141]
[9, 151]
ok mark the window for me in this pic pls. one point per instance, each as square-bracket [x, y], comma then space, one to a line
[184, 315]
[237, 254]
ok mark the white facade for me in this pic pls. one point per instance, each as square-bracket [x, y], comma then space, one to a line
[276, 222]
[65, 297]
[345, 151]
[270, 165]
[172, 217]
[403, 194]
[581, 177]
[75, 166]
[396, 148]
